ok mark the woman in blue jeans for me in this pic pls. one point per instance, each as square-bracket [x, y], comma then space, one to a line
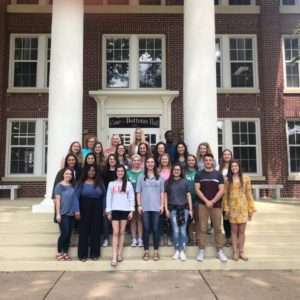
[64, 212]
[178, 204]
[150, 202]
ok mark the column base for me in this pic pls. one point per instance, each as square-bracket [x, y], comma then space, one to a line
[46, 206]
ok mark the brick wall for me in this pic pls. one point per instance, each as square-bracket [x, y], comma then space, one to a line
[271, 106]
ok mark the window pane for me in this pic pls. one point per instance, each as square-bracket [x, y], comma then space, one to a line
[239, 2]
[22, 160]
[242, 75]
[117, 75]
[150, 75]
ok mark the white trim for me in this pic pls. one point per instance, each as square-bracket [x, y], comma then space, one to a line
[41, 75]
[38, 147]
[225, 65]
[134, 61]
[227, 139]
[129, 103]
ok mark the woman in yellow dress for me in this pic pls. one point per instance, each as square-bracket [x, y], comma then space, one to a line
[238, 206]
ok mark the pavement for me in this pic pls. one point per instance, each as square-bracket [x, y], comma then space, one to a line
[222, 285]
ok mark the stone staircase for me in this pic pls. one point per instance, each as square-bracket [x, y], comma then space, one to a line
[28, 243]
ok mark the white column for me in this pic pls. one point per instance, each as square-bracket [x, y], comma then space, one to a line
[66, 88]
[200, 92]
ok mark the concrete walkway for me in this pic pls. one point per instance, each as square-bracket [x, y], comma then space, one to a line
[208, 285]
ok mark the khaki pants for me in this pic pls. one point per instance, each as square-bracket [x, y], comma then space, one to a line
[215, 215]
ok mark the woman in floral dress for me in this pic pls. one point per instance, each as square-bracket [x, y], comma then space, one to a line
[238, 206]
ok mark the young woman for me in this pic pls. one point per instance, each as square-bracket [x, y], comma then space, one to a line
[64, 208]
[90, 160]
[139, 137]
[144, 152]
[150, 201]
[181, 155]
[122, 157]
[178, 205]
[115, 140]
[89, 142]
[89, 201]
[99, 154]
[136, 221]
[164, 170]
[202, 149]
[238, 206]
[119, 209]
[108, 176]
[75, 149]
[165, 166]
[71, 163]
[159, 150]
[190, 176]
[223, 168]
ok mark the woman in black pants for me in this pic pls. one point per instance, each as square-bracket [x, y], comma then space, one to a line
[89, 204]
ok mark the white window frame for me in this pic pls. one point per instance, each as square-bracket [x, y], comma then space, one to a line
[226, 3]
[297, 3]
[225, 62]
[41, 75]
[134, 60]
[288, 146]
[284, 62]
[227, 138]
[39, 147]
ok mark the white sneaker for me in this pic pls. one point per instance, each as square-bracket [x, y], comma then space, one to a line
[105, 243]
[201, 255]
[133, 243]
[140, 243]
[176, 255]
[221, 256]
[182, 256]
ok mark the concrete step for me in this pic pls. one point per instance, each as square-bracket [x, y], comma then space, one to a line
[166, 263]
[50, 239]
[15, 252]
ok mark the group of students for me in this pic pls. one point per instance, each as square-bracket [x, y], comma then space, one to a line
[98, 186]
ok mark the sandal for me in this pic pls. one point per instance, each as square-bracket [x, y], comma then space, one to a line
[146, 256]
[67, 257]
[191, 243]
[113, 263]
[156, 257]
[84, 259]
[244, 258]
[60, 257]
[119, 258]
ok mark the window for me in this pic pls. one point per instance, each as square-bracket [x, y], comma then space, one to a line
[150, 58]
[291, 55]
[235, 2]
[27, 147]
[293, 132]
[242, 137]
[29, 61]
[290, 2]
[134, 62]
[236, 62]
[239, 2]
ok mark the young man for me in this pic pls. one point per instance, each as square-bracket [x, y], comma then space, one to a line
[209, 187]
[170, 145]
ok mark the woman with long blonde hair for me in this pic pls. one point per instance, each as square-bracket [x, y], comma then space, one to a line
[139, 137]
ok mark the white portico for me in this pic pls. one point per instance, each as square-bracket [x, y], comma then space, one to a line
[66, 86]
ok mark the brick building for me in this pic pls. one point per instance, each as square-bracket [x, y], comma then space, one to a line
[150, 63]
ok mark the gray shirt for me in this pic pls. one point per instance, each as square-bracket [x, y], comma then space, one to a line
[150, 190]
[66, 193]
[177, 191]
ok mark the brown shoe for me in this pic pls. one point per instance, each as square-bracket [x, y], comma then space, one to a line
[156, 257]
